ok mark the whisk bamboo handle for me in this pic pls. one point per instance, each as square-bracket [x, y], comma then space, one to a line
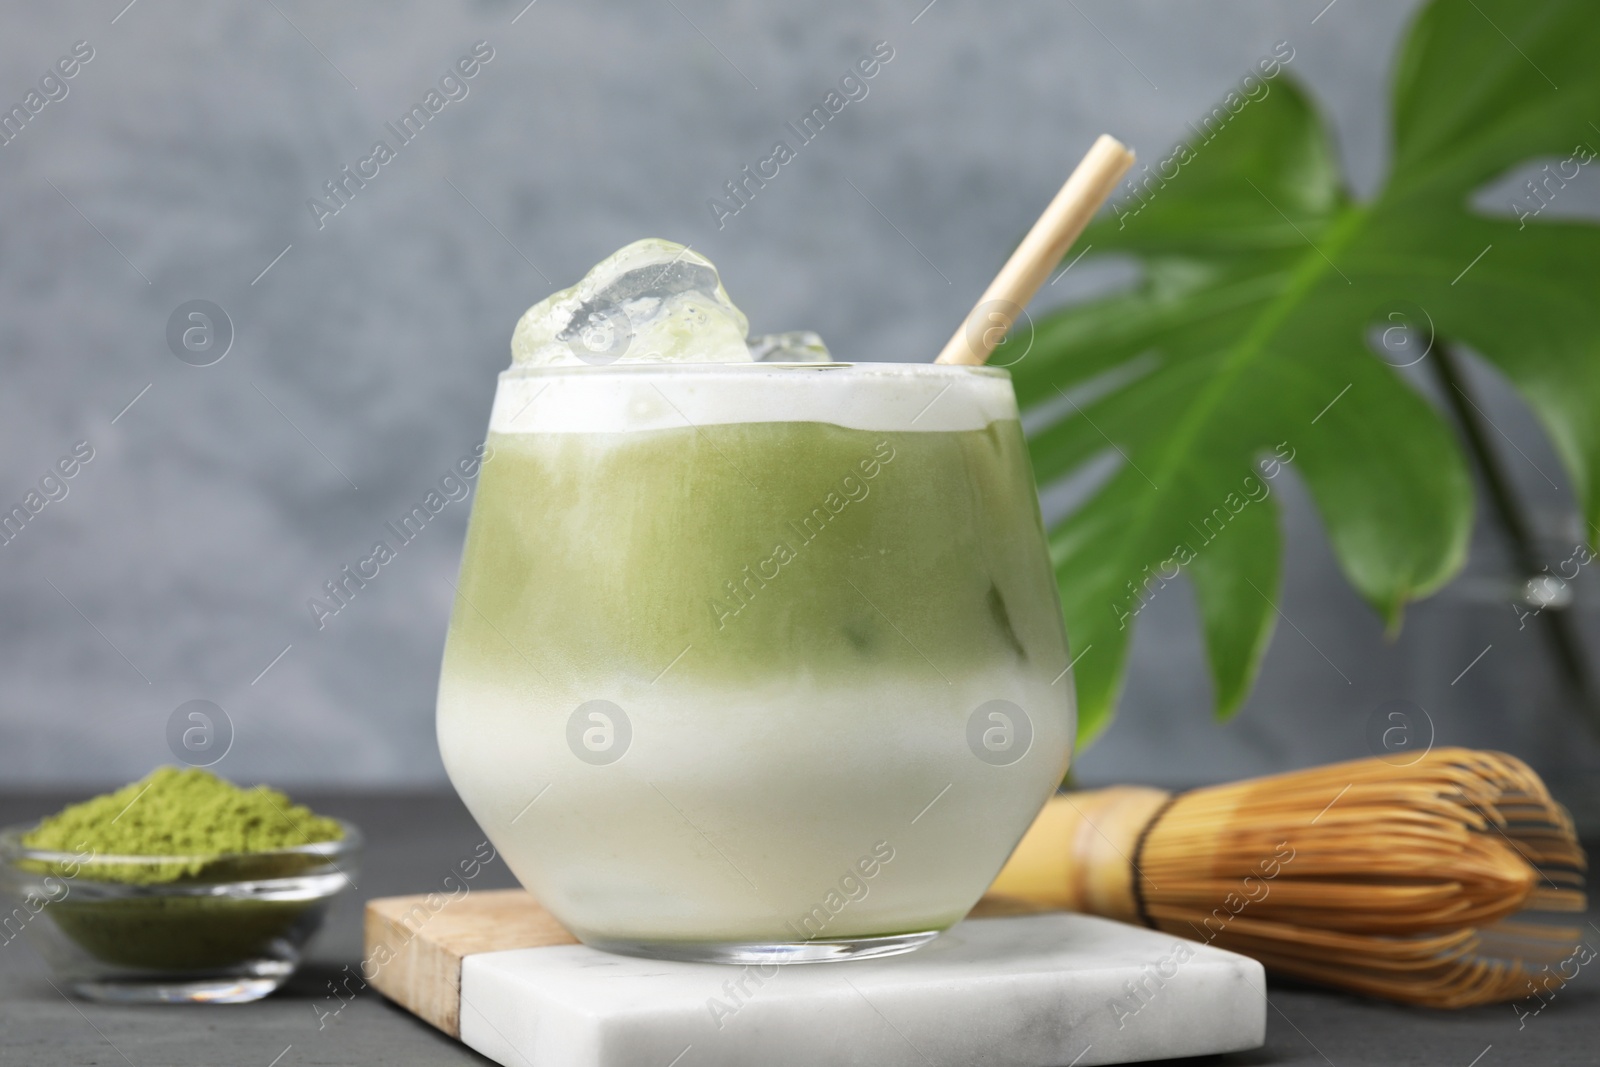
[1078, 855]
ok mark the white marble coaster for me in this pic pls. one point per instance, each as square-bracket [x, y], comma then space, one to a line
[1033, 991]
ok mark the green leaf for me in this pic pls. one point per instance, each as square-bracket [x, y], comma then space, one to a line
[1245, 347]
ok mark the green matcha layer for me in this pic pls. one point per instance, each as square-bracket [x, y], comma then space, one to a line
[767, 549]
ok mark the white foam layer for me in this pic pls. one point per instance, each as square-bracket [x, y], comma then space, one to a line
[919, 397]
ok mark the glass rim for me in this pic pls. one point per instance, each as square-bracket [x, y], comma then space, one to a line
[864, 367]
[13, 851]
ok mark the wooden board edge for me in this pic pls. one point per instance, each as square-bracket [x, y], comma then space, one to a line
[413, 971]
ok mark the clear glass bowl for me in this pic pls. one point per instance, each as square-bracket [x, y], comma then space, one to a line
[172, 929]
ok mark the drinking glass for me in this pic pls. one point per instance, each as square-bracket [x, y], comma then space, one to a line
[756, 662]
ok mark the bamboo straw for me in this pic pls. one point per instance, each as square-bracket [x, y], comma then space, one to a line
[1074, 205]
[1422, 883]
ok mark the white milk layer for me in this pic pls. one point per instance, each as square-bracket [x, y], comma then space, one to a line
[806, 808]
[915, 397]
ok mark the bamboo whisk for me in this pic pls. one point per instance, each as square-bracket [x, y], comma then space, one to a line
[1420, 883]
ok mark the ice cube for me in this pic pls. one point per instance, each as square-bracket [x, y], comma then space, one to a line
[797, 346]
[654, 301]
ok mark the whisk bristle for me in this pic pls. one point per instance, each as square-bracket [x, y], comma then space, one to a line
[1393, 880]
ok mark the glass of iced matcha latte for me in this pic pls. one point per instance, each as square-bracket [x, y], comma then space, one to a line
[755, 657]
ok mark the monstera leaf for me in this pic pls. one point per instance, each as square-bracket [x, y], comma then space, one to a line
[1246, 348]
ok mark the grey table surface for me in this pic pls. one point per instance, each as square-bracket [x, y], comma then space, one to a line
[413, 841]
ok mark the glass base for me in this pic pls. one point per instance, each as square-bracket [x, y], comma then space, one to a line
[182, 989]
[744, 953]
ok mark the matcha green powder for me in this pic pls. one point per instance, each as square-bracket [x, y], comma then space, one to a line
[190, 832]
[179, 812]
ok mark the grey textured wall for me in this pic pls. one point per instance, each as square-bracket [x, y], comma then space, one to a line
[178, 167]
